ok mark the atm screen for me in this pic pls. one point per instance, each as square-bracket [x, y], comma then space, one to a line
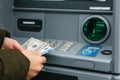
[62, 4]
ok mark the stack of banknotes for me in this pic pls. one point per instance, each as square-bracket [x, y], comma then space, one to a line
[37, 45]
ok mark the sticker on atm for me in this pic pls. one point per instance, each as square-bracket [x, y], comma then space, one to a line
[91, 51]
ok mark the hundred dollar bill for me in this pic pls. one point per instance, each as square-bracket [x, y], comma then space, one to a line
[37, 45]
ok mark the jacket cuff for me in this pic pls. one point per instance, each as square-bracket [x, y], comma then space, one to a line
[3, 33]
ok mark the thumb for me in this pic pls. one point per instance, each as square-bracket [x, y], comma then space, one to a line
[18, 46]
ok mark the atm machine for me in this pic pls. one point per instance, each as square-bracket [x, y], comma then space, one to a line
[84, 35]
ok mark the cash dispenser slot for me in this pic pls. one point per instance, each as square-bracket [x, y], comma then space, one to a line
[58, 73]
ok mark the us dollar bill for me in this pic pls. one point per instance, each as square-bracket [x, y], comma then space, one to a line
[37, 45]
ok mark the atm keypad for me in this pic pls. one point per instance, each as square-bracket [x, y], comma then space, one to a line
[60, 45]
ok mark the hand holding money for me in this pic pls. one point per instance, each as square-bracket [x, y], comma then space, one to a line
[36, 63]
[37, 45]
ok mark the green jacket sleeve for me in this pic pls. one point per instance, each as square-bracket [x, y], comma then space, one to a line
[13, 65]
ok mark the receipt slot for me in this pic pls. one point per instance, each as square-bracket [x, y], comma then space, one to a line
[34, 25]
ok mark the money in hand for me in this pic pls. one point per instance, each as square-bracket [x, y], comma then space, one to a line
[37, 45]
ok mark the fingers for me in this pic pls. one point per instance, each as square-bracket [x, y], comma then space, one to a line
[17, 46]
[42, 60]
[11, 44]
[36, 62]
